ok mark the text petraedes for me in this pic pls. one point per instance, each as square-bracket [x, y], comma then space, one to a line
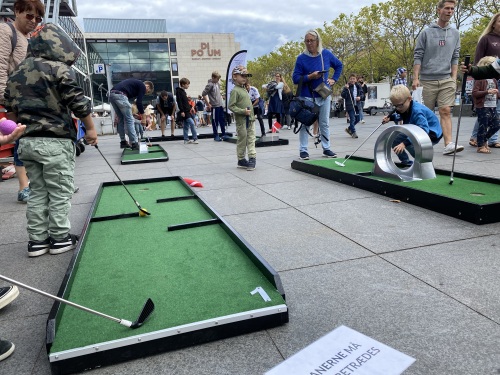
[341, 356]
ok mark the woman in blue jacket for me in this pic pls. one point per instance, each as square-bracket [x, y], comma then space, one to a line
[312, 67]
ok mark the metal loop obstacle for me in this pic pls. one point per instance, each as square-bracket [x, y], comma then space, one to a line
[422, 168]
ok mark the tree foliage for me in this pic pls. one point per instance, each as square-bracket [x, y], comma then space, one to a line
[378, 39]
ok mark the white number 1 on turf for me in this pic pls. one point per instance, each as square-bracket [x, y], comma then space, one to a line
[262, 293]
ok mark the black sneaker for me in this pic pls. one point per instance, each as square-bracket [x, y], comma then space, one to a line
[354, 135]
[124, 144]
[348, 131]
[329, 154]
[37, 248]
[243, 163]
[134, 146]
[6, 349]
[304, 156]
[61, 246]
[251, 164]
[7, 295]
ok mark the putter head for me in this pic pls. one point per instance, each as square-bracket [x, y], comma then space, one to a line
[144, 211]
[147, 310]
[340, 164]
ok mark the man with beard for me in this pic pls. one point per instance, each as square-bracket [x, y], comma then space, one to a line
[414, 113]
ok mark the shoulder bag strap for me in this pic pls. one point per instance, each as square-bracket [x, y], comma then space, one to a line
[13, 39]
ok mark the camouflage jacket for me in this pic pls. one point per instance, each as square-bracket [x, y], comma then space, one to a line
[42, 92]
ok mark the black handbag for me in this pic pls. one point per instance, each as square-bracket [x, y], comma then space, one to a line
[302, 109]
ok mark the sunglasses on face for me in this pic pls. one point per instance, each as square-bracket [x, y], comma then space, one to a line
[30, 17]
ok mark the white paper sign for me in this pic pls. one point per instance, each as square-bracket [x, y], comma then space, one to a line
[143, 148]
[345, 351]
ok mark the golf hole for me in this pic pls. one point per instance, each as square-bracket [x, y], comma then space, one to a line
[477, 194]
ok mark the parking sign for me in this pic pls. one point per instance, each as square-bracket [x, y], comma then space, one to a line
[99, 69]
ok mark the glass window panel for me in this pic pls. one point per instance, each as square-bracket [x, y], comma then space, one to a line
[118, 56]
[139, 55]
[139, 61]
[100, 47]
[158, 47]
[115, 67]
[138, 47]
[140, 67]
[117, 47]
[162, 66]
[159, 55]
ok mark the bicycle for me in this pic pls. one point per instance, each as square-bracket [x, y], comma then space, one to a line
[387, 103]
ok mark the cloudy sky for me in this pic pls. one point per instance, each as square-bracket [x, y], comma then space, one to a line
[259, 26]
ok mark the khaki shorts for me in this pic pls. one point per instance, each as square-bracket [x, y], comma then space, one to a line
[440, 93]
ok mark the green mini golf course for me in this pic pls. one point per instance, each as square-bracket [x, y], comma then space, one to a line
[471, 198]
[196, 269]
[155, 153]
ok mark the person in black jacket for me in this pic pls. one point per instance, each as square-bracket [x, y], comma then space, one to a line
[185, 111]
[352, 94]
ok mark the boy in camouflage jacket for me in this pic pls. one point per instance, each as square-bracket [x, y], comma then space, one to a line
[41, 93]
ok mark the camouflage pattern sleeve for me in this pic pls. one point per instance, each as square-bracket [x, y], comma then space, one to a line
[72, 95]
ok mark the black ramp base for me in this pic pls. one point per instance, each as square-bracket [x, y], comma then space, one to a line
[475, 213]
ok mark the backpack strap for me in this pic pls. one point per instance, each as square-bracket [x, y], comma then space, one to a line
[13, 39]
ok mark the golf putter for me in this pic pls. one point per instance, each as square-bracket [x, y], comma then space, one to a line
[362, 143]
[144, 211]
[462, 96]
[146, 311]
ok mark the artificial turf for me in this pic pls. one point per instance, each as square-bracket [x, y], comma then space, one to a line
[191, 275]
[154, 152]
[468, 190]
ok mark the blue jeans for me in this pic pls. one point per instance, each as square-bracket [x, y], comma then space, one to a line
[489, 123]
[218, 118]
[187, 124]
[353, 119]
[403, 157]
[123, 110]
[494, 137]
[324, 125]
[361, 105]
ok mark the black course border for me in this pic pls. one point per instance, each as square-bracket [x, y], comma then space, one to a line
[99, 359]
[169, 138]
[142, 161]
[475, 213]
[258, 143]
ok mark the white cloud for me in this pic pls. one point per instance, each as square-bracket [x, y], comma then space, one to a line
[260, 27]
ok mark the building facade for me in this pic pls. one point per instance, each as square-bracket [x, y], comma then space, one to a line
[143, 49]
[137, 48]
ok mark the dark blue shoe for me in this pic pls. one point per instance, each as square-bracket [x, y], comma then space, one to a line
[407, 164]
[304, 155]
[329, 154]
[243, 163]
[217, 139]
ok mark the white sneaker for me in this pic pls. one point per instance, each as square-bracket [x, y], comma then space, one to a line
[450, 148]
[362, 121]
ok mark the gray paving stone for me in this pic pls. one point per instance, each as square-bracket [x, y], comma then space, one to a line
[465, 270]
[381, 225]
[288, 239]
[385, 303]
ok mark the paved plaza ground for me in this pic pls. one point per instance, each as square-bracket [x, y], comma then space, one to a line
[421, 282]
